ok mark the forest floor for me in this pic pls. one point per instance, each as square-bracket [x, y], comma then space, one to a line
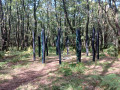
[20, 72]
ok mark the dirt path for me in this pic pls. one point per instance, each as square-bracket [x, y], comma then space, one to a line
[39, 74]
[35, 70]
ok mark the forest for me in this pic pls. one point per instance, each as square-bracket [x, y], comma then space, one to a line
[59, 44]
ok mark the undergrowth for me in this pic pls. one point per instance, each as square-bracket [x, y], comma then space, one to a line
[68, 69]
[108, 82]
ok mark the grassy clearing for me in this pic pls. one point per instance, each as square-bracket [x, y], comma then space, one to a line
[14, 58]
[75, 79]
[68, 69]
[68, 76]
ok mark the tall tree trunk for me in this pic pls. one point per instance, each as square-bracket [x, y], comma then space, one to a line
[59, 49]
[43, 45]
[93, 41]
[66, 15]
[78, 45]
[9, 24]
[18, 23]
[87, 27]
[35, 18]
[23, 31]
[56, 14]
[34, 56]
[1, 23]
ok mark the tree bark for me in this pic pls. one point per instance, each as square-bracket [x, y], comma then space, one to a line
[87, 24]
[66, 15]
[78, 45]
[93, 41]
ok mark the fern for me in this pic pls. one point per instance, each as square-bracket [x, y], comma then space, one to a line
[110, 82]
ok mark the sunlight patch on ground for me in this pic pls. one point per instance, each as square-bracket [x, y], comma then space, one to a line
[27, 87]
[5, 77]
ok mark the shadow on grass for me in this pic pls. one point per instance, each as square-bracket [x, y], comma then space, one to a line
[105, 69]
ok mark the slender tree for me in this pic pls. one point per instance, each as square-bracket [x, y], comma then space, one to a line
[87, 24]
[66, 15]
[46, 45]
[39, 46]
[43, 45]
[93, 41]
[1, 20]
[97, 49]
[59, 49]
[34, 58]
[56, 45]
[78, 45]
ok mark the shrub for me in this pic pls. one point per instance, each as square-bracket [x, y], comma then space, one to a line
[68, 69]
[110, 82]
[112, 51]
[2, 54]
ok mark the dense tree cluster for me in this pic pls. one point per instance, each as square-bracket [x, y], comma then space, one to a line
[19, 18]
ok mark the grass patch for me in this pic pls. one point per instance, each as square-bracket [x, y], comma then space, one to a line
[108, 82]
[2, 64]
[67, 69]
[102, 55]
[112, 51]
[15, 57]
[2, 54]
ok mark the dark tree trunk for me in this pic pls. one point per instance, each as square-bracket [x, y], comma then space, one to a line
[46, 46]
[66, 15]
[78, 45]
[39, 46]
[59, 50]
[56, 14]
[56, 45]
[35, 18]
[27, 30]
[9, 25]
[93, 41]
[23, 31]
[1, 23]
[18, 23]
[87, 24]
[97, 44]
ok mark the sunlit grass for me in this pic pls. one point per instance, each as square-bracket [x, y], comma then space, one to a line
[69, 69]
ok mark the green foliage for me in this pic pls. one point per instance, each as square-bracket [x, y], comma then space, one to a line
[67, 87]
[68, 69]
[102, 55]
[77, 67]
[52, 50]
[13, 56]
[72, 87]
[83, 50]
[2, 64]
[14, 60]
[64, 68]
[55, 88]
[112, 51]
[2, 54]
[110, 82]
